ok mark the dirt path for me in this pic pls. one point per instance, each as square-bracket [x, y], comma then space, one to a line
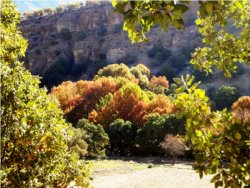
[178, 176]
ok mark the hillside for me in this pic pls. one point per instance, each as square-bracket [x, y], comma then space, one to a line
[75, 43]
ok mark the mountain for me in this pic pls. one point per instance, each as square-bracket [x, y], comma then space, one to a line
[73, 44]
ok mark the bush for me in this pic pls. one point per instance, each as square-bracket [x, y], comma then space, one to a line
[225, 96]
[66, 34]
[81, 36]
[95, 137]
[56, 73]
[170, 72]
[122, 135]
[173, 146]
[159, 52]
[34, 135]
[78, 144]
[178, 62]
[101, 30]
[152, 134]
[201, 76]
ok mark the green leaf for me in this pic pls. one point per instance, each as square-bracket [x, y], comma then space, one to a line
[209, 7]
[177, 80]
[237, 136]
[198, 133]
[239, 5]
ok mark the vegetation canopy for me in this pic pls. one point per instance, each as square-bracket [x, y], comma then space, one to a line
[34, 136]
[220, 139]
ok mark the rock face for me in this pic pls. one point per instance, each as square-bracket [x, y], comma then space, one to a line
[92, 32]
[74, 44]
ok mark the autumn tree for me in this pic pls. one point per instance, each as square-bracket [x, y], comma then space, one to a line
[77, 99]
[34, 135]
[142, 73]
[221, 145]
[128, 103]
[158, 84]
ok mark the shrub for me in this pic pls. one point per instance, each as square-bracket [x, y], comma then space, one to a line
[170, 72]
[101, 30]
[59, 9]
[173, 146]
[122, 135]
[34, 135]
[159, 52]
[158, 84]
[56, 73]
[225, 96]
[78, 144]
[66, 34]
[81, 36]
[177, 61]
[95, 137]
[152, 134]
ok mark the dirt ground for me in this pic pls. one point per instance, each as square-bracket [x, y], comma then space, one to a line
[146, 173]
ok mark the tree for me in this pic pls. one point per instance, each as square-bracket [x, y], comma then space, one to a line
[95, 137]
[122, 136]
[116, 70]
[225, 96]
[158, 84]
[78, 99]
[173, 146]
[34, 135]
[150, 136]
[220, 139]
[221, 144]
[128, 103]
[221, 48]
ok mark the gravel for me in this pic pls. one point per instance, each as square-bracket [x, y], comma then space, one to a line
[177, 176]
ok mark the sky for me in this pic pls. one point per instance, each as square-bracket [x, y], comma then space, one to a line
[31, 5]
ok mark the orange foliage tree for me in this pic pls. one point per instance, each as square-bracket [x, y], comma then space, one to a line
[158, 84]
[132, 103]
[128, 103]
[241, 110]
[80, 98]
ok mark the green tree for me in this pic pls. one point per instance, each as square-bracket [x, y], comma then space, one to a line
[122, 135]
[34, 136]
[225, 97]
[78, 144]
[221, 143]
[221, 48]
[95, 137]
[220, 139]
[156, 127]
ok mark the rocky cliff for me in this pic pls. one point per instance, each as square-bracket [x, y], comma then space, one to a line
[75, 43]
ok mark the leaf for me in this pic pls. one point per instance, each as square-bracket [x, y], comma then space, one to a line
[198, 21]
[237, 136]
[177, 80]
[216, 177]
[184, 8]
[209, 7]
[198, 133]
[239, 5]
[218, 184]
